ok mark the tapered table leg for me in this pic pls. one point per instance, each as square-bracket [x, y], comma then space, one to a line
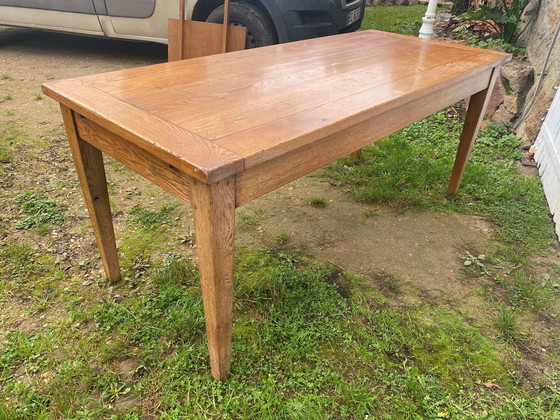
[356, 154]
[214, 222]
[475, 114]
[91, 173]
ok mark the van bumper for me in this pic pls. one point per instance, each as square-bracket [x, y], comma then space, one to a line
[303, 19]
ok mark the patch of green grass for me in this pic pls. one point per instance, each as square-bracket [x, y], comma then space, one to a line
[525, 292]
[38, 96]
[8, 113]
[152, 219]
[140, 244]
[5, 98]
[26, 274]
[5, 155]
[21, 350]
[300, 350]
[251, 219]
[6, 76]
[404, 20]
[7, 136]
[41, 211]
[282, 239]
[371, 213]
[507, 325]
[318, 202]
[410, 170]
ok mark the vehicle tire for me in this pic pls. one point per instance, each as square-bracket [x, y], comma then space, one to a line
[260, 29]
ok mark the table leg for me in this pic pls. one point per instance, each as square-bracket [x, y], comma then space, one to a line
[356, 154]
[214, 222]
[91, 173]
[475, 114]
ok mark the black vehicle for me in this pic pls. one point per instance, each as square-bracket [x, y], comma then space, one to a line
[267, 21]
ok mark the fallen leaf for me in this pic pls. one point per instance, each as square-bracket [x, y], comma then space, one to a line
[490, 384]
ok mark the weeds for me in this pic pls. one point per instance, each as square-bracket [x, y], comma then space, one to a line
[507, 325]
[152, 219]
[318, 202]
[41, 211]
[505, 16]
[251, 219]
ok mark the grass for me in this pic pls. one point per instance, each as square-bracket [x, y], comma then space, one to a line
[152, 219]
[507, 325]
[40, 210]
[319, 202]
[7, 137]
[29, 276]
[404, 20]
[410, 170]
[301, 350]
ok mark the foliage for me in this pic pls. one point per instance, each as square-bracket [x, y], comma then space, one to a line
[490, 43]
[308, 343]
[506, 17]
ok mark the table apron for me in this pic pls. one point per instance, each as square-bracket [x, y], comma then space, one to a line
[272, 174]
[139, 160]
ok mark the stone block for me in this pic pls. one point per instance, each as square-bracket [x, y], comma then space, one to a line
[519, 75]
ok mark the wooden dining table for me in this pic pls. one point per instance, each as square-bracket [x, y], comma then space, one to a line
[220, 131]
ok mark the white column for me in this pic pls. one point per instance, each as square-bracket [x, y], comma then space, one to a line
[428, 21]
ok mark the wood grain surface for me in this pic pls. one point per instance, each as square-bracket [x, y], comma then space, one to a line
[88, 161]
[216, 116]
[214, 221]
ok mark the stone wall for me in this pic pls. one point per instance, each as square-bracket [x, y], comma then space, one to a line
[538, 38]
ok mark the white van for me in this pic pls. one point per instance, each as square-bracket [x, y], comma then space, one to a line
[267, 21]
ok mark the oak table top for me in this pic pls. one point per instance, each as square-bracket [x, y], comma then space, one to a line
[221, 130]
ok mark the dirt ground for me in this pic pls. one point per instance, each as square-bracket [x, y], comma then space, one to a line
[411, 257]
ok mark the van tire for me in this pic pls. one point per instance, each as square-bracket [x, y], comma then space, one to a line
[260, 29]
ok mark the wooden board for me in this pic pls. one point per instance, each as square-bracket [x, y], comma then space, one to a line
[202, 39]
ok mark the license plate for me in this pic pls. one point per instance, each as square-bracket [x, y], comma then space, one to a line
[352, 16]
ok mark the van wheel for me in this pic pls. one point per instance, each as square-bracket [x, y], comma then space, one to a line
[260, 29]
